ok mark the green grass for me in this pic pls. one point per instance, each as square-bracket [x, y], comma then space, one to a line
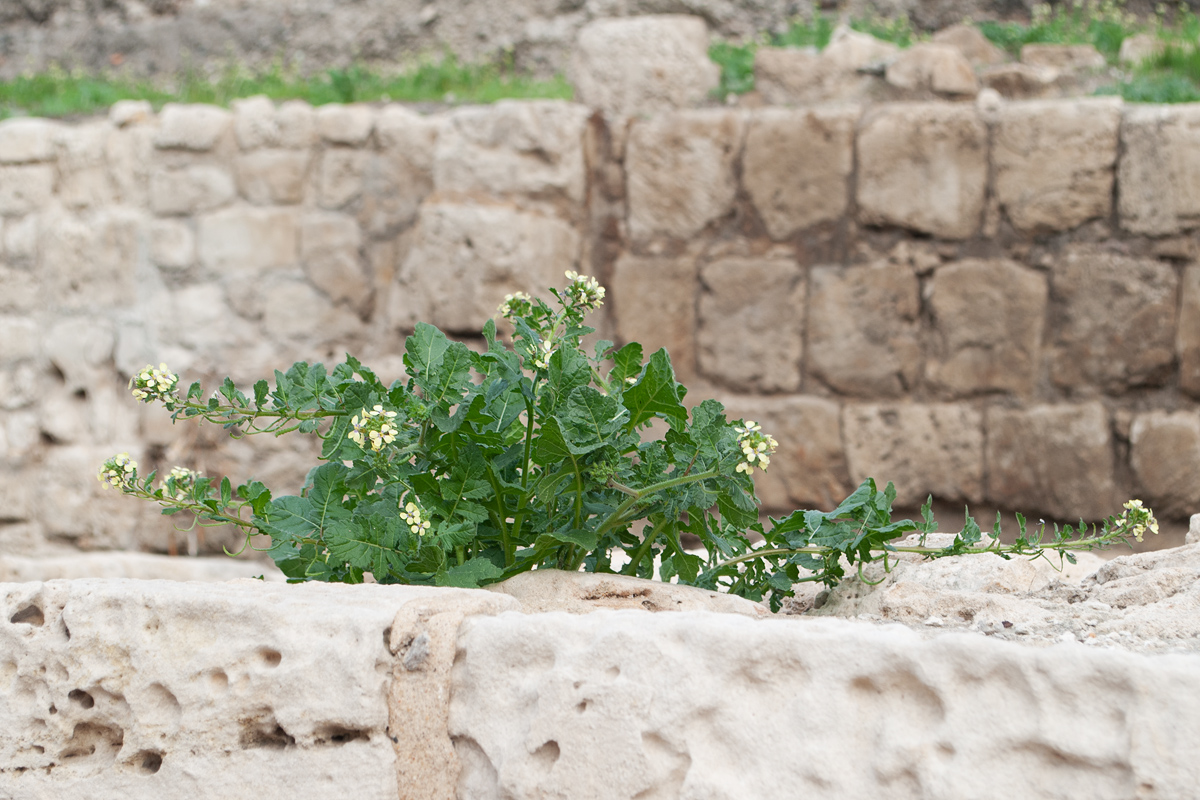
[59, 93]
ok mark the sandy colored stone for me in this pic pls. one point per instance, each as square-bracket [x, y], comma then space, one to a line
[874, 354]
[680, 171]
[18, 339]
[1187, 338]
[1114, 319]
[1165, 456]
[273, 176]
[139, 566]
[191, 190]
[1159, 172]
[400, 174]
[654, 302]
[25, 187]
[750, 328]
[345, 124]
[19, 290]
[643, 64]
[988, 317]
[172, 244]
[932, 67]
[79, 347]
[293, 309]
[788, 76]
[92, 261]
[1055, 460]
[130, 153]
[82, 162]
[923, 166]
[1020, 81]
[191, 127]
[797, 164]
[21, 237]
[1067, 57]
[130, 112]
[1139, 47]
[254, 123]
[849, 49]
[340, 176]
[969, 41]
[329, 252]
[297, 124]
[24, 140]
[245, 239]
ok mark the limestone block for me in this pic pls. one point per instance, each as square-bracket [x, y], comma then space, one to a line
[653, 301]
[1020, 81]
[340, 176]
[21, 239]
[784, 75]
[1187, 339]
[797, 165]
[130, 112]
[172, 244]
[988, 317]
[532, 148]
[1114, 322]
[849, 49]
[82, 153]
[292, 309]
[247, 239]
[400, 174]
[1165, 456]
[92, 261]
[329, 252]
[809, 469]
[297, 124]
[1148, 599]
[24, 140]
[1139, 47]
[751, 323]
[1054, 162]
[680, 171]
[191, 127]
[932, 67]
[923, 166]
[643, 64]
[874, 354]
[1055, 460]
[19, 290]
[1158, 178]
[18, 339]
[1065, 57]
[25, 187]
[342, 124]
[274, 176]
[254, 123]
[190, 190]
[139, 566]
[130, 153]
[465, 258]
[72, 506]
[79, 347]
[20, 386]
[976, 47]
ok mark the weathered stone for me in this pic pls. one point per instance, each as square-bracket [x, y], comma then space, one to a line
[21, 238]
[329, 252]
[680, 171]
[73, 506]
[750, 331]
[972, 44]
[80, 347]
[266, 176]
[797, 165]
[254, 123]
[172, 244]
[82, 154]
[514, 148]
[297, 124]
[654, 302]
[1187, 339]
[191, 127]
[1020, 81]
[1158, 179]
[139, 566]
[130, 112]
[340, 179]
[467, 257]
[923, 166]
[247, 239]
[873, 354]
[24, 140]
[1165, 456]
[809, 468]
[932, 67]
[1139, 47]
[190, 190]
[988, 318]
[1114, 320]
[1051, 459]
[400, 175]
[643, 64]
[923, 449]
[25, 187]
[849, 49]
[18, 339]
[1066, 57]
[787, 76]
[92, 262]
[130, 153]
[292, 309]
[350, 125]
[1054, 162]
[19, 290]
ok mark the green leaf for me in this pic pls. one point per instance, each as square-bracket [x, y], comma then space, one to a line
[588, 420]
[656, 394]
[471, 574]
[627, 363]
[425, 349]
[260, 394]
[549, 446]
[585, 539]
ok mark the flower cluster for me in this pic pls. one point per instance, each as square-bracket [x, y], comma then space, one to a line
[757, 447]
[151, 383]
[373, 428]
[1138, 519]
[120, 472]
[414, 518]
[542, 353]
[515, 305]
[184, 479]
[585, 292]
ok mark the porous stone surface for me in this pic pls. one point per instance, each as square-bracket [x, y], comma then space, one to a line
[1020, 81]
[1157, 176]
[1187, 338]
[1165, 456]
[141, 566]
[969, 41]
[191, 127]
[1062, 56]
[655, 302]
[935, 68]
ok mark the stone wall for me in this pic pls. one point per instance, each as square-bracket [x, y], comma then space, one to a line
[990, 303]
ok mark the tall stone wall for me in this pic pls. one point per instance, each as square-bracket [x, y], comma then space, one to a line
[993, 305]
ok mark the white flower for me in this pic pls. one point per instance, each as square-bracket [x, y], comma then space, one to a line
[515, 304]
[1138, 519]
[757, 447]
[544, 351]
[373, 428]
[584, 291]
[154, 383]
[120, 472]
[185, 479]
[414, 518]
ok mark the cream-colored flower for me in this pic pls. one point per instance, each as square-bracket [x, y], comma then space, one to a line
[415, 518]
[374, 428]
[154, 383]
[119, 472]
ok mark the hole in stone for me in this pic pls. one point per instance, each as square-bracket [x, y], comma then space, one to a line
[53, 709]
[218, 681]
[37, 748]
[613, 672]
[264, 732]
[83, 698]
[80, 394]
[546, 755]
[270, 657]
[149, 761]
[582, 707]
[29, 615]
[337, 734]
[88, 738]
[387, 637]
[66, 630]
[578, 684]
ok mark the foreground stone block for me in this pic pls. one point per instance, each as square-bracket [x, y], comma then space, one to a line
[1159, 173]
[654, 302]
[547, 591]
[1165, 456]
[139, 566]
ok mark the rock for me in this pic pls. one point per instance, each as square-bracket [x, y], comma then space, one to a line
[130, 154]
[399, 175]
[350, 125]
[1114, 319]
[341, 176]
[247, 239]
[1140, 47]
[923, 166]
[19, 290]
[638, 65]
[850, 50]
[1193, 534]
[680, 171]
[83, 173]
[1051, 459]
[1158, 172]
[797, 164]
[1165, 456]
[25, 188]
[130, 112]
[254, 123]
[1021, 81]
[931, 67]
[172, 244]
[329, 252]
[974, 46]
[92, 262]
[786, 76]
[1063, 57]
[270, 176]
[875, 354]
[1054, 162]
[191, 190]
[653, 300]
[1187, 339]
[140, 566]
[24, 140]
[293, 309]
[191, 127]
[78, 347]
[988, 318]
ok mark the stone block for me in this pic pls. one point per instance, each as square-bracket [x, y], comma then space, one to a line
[785, 75]
[73, 506]
[239, 240]
[465, 258]
[531, 148]
[1165, 456]
[400, 174]
[874, 353]
[1064, 57]
[92, 261]
[330, 253]
[20, 290]
[341, 124]
[1054, 162]
[1020, 81]
[797, 165]
[809, 469]
[292, 309]
[297, 125]
[266, 177]
[680, 171]
[1139, 47]
[931, 67]
[643, 64]
[750, 334]
[130, 153]
[80, 348]
[923, 166]
[653, 301]
[1055, 460]
[190, 190]
[82, 163]
[976, 47]
[18, 339]
[21, 239]
[172, 244]
[851, 50]
[1113, 321]
[1187, 339]
[340, 176]
[25, 187]
[988, 317]
[24, 140]
[1158, 177]
[130, 112]
[191, 127]
[254, 123]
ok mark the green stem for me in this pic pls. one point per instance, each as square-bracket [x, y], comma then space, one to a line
[519, 517]
[615, 518]
[505, 541]
[631, 567]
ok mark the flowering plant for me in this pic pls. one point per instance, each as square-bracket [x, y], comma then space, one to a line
[533, 454]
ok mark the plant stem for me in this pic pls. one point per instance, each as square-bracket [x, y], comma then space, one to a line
[615, 518]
